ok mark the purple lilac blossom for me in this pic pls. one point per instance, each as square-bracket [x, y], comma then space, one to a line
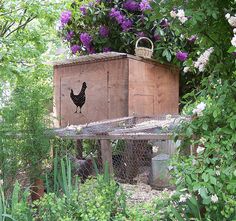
[65, 17]
[164, 23]
[144, 5]
[141, 34]
[83, 9]
[126, 24]
[106, 49]
[157, 37]
[234, 53]
[131, 5]
[75, 49]
[104, 31]
[86, 39]
[192, 39]
[181, 56]
[69, 35]
[114, 13]
[117, 15]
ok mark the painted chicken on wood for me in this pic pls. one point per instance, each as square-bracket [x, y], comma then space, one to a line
[79, 99]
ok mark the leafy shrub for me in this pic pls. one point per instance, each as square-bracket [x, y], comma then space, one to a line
[97, 199]
[23, 129]
[17, 208]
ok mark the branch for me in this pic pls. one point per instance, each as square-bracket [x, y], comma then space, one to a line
[22, 25]
[21, 19]
[7, 13]
[7, 28]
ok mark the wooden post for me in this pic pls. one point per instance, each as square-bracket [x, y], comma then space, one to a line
[79, 147]
[106, 150]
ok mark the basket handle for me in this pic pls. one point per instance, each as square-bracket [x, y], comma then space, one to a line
[136, 45]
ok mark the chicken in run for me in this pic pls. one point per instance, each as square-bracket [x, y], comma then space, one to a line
[79, 100]
[83, 168]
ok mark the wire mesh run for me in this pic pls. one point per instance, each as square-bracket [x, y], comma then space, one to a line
[133, 161]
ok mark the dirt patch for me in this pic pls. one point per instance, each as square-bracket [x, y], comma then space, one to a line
[142, 193]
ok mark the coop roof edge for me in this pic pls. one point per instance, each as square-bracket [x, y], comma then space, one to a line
[105, 57]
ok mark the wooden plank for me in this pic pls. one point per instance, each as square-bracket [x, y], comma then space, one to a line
[128, 136]
[153, 88]
[57, 96]
[95, 107]
[117, 100]
[106, 150]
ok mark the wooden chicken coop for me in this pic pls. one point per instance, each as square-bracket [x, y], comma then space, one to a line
[132, 130]
[114, 85]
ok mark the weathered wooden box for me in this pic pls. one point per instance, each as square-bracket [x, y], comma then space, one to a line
[118, 85]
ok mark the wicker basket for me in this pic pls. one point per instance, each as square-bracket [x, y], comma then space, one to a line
[143, 51]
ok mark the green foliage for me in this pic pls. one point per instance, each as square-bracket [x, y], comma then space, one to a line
[62, 180]
[24, 125]
[97, 199]
[27, 30]
[16, 209]
[211, 172]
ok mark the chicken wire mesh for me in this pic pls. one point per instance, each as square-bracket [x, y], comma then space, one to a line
[132, 160]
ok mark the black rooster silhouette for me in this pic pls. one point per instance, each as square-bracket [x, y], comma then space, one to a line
[79, 99]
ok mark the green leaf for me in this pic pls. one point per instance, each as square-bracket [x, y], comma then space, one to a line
[232, 49]
[207, 201]
[189, 132]
[203, 192]
[188, 180]
[232, 125]
[205, 177]
[204, 126]
[213, 180]
[215, 113]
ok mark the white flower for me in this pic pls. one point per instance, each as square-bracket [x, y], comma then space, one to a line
[200, 107]
[183, 198]
[181, 16]
[227, 16]
[180, 13]
[233, 41]
[234, 30]
[1, 182]
[214, 198]
[183, 19]
[186, 69]
[232, 21]
[201, 67]
[203, 60]
[182, 36]
[173, 14]
[217, 173]
[170, 168]
[200, 149]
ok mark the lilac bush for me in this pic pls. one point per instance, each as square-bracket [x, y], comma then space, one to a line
[102, 26]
